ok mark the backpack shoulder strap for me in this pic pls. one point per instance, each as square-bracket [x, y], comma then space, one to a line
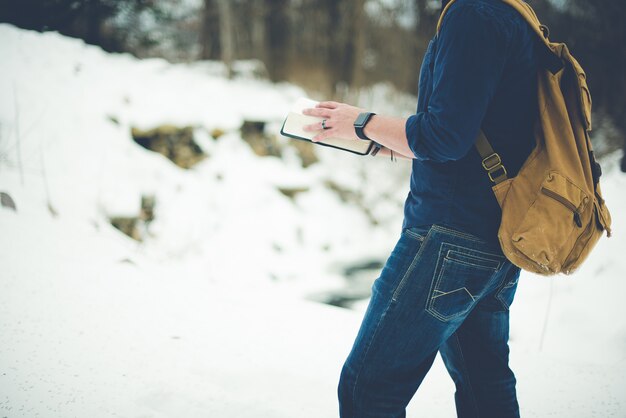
[491, 161]
[522, 8]
[550, 54]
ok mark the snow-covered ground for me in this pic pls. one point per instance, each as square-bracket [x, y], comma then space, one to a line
[210, 316]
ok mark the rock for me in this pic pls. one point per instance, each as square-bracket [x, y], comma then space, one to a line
[52, 210]
[7, 201]
[251, 128]
[128, 225]
[148, 203]
[346, 195]
[136, 227]
[306, 152]
[291, 192]
[173, 142]
[216, 133]
[253, 132]
[351, 197]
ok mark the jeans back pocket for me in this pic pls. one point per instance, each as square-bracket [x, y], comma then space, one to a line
[461, 277]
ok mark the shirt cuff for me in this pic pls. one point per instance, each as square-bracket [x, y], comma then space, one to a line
[411, 130]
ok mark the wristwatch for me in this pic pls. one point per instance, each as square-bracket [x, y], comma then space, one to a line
[360, 122]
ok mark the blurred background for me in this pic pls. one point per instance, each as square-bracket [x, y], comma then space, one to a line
[164, 251]
[329, 47]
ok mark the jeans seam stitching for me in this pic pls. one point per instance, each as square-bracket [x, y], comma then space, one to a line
[453, 291]
[499, 294]
[414, 235]
[499, 297]
[396, 293]
[384, 314]
[367, 350]
[485, 256]
[480, 266]
[458, 233]
[434, 284]
[469, 383]
[505, 285]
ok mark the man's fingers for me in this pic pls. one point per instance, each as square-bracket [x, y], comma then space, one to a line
[328, 105]
[315, 126]
[324, 135]
[320, 113]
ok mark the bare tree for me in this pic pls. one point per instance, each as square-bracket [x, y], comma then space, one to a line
[355, 45]
[277, 31]
[227, 46]
[258, 30]
[210, 32]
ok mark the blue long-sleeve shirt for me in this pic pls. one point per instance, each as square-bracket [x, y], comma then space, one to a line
[479, 72]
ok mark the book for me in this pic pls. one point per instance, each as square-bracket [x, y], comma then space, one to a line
[293, 127]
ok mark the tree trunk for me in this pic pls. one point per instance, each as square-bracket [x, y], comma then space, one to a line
[277, 39]
[426, 20]
[227, 46]
[93, 34]
[426, 25]
[209, 32]
[356, 45]
[258, 30]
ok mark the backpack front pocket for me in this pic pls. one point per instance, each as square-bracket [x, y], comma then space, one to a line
[547, 227]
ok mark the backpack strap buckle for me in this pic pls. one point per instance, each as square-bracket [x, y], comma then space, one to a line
[495, 170]
[492, 161]
[499, 178]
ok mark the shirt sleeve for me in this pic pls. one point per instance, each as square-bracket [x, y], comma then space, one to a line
[468, 64]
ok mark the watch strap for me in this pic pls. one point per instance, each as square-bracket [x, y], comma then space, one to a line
[360, 127]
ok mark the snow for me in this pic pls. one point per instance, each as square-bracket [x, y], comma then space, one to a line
[212, 314]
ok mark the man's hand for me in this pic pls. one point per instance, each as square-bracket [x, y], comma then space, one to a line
[386, 131]
[339, 123]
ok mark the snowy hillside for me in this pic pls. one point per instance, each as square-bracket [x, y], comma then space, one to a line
[211, 313]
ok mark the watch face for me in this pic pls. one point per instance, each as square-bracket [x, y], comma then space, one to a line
[361, 119]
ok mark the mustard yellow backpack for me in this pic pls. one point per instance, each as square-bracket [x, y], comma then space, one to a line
[553, 213]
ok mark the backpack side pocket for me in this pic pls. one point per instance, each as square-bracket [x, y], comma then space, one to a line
[552, 223]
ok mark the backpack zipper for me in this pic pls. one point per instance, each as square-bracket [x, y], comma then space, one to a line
[568, 261]
[565, 203]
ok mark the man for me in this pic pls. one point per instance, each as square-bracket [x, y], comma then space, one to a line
[446, 286]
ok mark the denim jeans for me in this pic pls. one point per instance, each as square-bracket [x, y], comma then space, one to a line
[442, 291]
